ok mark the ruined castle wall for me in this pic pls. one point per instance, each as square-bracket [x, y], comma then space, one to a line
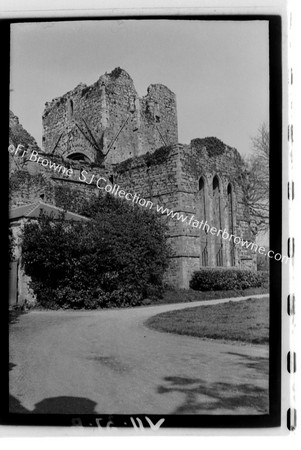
[153, 177]
[26, 188]
[61, 135]
[158, 118]
[122, 120]
[171, 179]
[197, 162]
[156, 178]
[33, 182]
[168, 177]
[108, 118]
[18, 135]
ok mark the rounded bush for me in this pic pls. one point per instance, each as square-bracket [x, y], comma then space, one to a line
[116, 259]
[227, 279]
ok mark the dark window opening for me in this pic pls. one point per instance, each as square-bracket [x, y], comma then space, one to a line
[201, 184]
[217, 221]
[204, 233]
[231, 223]
[215, 185]
[78, 157]
[70, 108]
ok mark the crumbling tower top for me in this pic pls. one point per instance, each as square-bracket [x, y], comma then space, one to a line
[108, 122]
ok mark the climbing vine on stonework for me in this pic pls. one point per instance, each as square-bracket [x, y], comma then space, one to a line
[214, 146]
[116, 73]
[70, 199]
[159, 156]
[20, 177]
[150, 159]
[18, 136]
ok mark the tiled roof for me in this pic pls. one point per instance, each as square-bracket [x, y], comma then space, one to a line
[33, 210]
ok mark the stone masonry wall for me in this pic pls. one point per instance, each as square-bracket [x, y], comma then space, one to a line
[226, 164]
[155, 177]
[32, 182]
[108, 121]
[170, 178]
[106, 130]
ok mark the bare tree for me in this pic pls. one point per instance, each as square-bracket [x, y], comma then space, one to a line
[257, 188]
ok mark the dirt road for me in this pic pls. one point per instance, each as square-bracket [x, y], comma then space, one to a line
[108, 362]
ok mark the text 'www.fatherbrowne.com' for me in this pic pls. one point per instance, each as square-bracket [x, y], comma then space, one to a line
[103, 184]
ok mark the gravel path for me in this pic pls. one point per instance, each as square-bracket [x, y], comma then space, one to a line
[108, 362]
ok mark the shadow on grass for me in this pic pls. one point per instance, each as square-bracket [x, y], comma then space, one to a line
[258, 363]
[201, 397]
[14, 315]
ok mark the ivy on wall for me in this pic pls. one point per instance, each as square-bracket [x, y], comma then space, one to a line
[21, 177]
[214, 146]
[70, 199]
[18, 135]
[159, 156]
[116, 73]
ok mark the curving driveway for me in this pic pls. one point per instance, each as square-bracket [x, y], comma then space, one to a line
[108, 362]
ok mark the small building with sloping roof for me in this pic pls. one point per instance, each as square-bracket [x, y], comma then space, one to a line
[19, 290]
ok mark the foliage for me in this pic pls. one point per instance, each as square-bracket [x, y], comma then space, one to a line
[257, 187]
[116, 73]
[226, 279]
[18, 135]
[116, 259]
[214, 146]
[21, 177]
[159, 156]
[69, 199]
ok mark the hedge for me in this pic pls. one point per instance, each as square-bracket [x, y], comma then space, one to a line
[227, 279]
[115, 259]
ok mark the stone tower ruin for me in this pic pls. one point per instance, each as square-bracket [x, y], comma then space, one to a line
[108, 123]
[107, 130]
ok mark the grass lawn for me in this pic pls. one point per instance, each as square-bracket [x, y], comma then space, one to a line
[245, 321]
[189, 295]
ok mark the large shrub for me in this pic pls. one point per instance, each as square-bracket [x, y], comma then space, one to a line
[118, 258]
[226, 279]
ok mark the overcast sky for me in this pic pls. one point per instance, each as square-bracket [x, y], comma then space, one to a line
[218, 70]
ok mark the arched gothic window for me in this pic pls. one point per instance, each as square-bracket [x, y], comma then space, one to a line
[204, 233]
[231, 223]
[217, 221]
